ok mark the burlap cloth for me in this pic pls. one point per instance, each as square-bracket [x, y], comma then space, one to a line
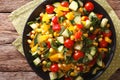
[19, 17]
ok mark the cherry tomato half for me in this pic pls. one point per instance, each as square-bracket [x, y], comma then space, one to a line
[55, 19]
[80, 26]
[49, 9]
[89, 6]
[54, 68]
[77, 55]
[56, 27]
[103, 44]
[68, 43]
[65, 3]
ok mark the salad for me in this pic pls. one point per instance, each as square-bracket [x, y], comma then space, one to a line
[69, 39]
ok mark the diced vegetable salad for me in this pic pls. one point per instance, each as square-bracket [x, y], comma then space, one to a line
[69, 39]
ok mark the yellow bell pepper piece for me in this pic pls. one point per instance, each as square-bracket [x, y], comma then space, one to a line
[58, 12]
[56, 57]
[45, 27]
[45, 18]
[71, 28]
[42, 38]
[102, 49]
[34, 49]
[84, 23]
[107, 39]
[70, 16]
[61, 8]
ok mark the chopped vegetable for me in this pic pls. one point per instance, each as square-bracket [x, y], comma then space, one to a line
[70, 39]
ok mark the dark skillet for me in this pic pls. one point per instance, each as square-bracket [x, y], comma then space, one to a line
[45, 75]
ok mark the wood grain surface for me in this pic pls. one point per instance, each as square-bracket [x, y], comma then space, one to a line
[13, 66]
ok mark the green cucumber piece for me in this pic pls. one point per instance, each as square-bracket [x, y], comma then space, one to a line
[65, 33]
[52, 75]
[60, 48]
[73, 6]
[60, 39]
[36, 61]
[77, 19]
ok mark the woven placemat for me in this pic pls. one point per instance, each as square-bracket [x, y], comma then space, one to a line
[19, 18]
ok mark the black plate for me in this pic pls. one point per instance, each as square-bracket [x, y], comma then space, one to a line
[45, 75]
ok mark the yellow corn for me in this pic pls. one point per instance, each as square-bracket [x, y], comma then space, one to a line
[107, 39]
[56, 34]
[70, 16]
[95, 43]
[38, 30]
[108, 25]
[72, 37]
[72, 74]
[86, 35]
[44, 62]
[29, 41]
[100, 39]
[32, 36]
[51, 50]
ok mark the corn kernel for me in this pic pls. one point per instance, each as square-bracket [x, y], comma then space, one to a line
[33, 32]
[91, 28]
[72, 73]
[44, 62]
[95, 43]
[38, 30]
[86, 35]
[32, 36]
[72, 37]
[51, 50]
[100, 39]
[64, 65]
[108, 25]
[81, 10]
[59, 65]
[29, 41]
[56, 34]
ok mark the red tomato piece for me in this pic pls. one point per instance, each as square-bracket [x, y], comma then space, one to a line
[100, 16]
[48, 44]
[89, 6]
[78, 35]
[49, 9]
[54, 68]
[107, 34]
[68, 43]
[55, 20]
[65, 3]
[56, 27]
[103, 44]
[80, 26]
[77, 55]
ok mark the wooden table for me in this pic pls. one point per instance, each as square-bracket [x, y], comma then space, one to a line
[13, 66]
